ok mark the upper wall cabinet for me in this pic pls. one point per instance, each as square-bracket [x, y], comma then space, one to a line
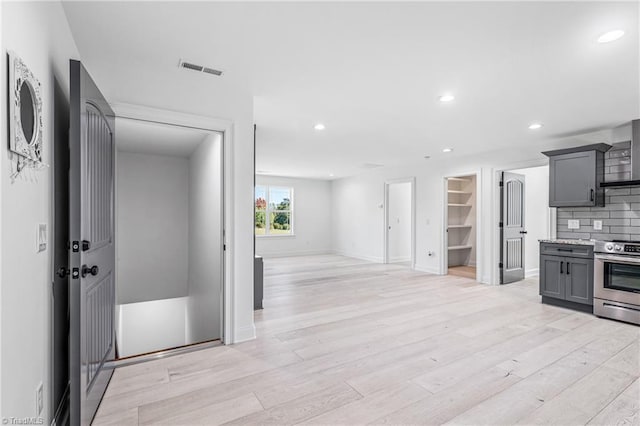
[575, 175]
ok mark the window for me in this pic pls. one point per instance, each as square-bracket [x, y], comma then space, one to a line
[274, 210]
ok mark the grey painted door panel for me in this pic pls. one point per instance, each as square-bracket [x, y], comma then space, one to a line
[572, 179]
[579, 280]
[513, 227]
[92, 296]
[552, 276]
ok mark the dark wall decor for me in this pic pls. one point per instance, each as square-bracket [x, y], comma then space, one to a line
[25, 115]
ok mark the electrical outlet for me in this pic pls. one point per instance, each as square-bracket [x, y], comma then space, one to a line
[39, 399]
[573, 224]
[597, 225]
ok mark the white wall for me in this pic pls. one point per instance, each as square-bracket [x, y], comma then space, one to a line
[151, 326]
[312, 219]
[536, 214]
[39, 34]
[358, 217]
[205, 241]
[399, 237]
[152, 226]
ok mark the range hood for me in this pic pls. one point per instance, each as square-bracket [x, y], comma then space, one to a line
[635, 159]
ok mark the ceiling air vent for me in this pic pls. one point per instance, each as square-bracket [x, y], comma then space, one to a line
[199, 68]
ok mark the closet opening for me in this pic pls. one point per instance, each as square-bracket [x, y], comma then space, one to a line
[460, 232]
[169, 236]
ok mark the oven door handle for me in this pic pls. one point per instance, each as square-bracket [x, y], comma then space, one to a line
[617, 259]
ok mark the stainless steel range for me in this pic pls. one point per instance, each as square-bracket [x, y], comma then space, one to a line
[616, 292]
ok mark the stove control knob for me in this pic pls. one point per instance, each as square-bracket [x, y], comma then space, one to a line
[618, 247]
[609, 247]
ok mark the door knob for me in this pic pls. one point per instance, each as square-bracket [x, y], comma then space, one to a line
[93, 270]
[63, 271]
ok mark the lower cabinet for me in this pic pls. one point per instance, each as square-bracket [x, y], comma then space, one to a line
[567, 278]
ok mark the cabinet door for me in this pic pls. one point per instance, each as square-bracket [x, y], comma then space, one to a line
[579, 280]
[572, 179]
[552, 276]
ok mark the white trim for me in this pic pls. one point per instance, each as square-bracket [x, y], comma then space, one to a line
[385, 248]
[427, 269]
[444, 259]
[295, 253]
[530, 273]
[373, 259]
[139, 112]
[244, 334]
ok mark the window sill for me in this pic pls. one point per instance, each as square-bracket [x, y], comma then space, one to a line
[275, 236]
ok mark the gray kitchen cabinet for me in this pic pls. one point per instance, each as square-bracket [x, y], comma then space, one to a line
[579, 280]
[564, 277]
[551, 279]
[575, 175]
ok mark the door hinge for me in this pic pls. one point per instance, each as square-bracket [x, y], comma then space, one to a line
[501, 183]
[224, 247]
[500, 265]
[500, 224]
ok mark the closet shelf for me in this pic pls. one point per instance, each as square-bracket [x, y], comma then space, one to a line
[460, 247]
[459, 205]
[460, 226]
[455, 191]
[456, 179]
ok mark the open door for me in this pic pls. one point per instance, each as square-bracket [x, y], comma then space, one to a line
[92, 249]
[512, 227]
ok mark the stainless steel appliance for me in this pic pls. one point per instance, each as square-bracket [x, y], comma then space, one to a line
[616, 292]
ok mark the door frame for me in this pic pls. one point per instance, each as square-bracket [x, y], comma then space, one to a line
[225, 127]
[444, 240]
[496, 174]
[387, 183]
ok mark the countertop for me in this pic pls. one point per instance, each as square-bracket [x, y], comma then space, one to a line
[570, 241]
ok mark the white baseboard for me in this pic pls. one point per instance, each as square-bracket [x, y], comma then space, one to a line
[529, 273]
[358, 256]
[294, 253]
[244, 334]
[427, 269]
[399, 259]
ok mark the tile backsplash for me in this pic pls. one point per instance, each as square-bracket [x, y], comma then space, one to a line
[621, 214]
[620, 217]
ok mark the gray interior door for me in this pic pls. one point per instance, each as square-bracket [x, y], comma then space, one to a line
[92, 249]
[512, 228]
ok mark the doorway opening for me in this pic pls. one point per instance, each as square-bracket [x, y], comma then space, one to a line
[524, 218]
[169, 236]
[461, 232]
[399, 241]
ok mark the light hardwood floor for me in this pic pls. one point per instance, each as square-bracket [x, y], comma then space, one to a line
[343, 341]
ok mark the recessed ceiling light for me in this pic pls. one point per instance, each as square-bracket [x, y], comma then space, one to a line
[446, 98]
[535, 126]
[331, 175]
[447, 149]
[610, 36]
[319, 126]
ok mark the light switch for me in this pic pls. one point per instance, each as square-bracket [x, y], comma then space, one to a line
[41, 237]
[574, 224]
[597, 225]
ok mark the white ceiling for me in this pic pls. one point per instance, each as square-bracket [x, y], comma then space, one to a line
[153, 138]
[372, 72]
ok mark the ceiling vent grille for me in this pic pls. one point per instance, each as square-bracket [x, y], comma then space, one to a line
[199, 68]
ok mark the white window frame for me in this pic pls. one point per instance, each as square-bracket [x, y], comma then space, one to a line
[268, 211]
